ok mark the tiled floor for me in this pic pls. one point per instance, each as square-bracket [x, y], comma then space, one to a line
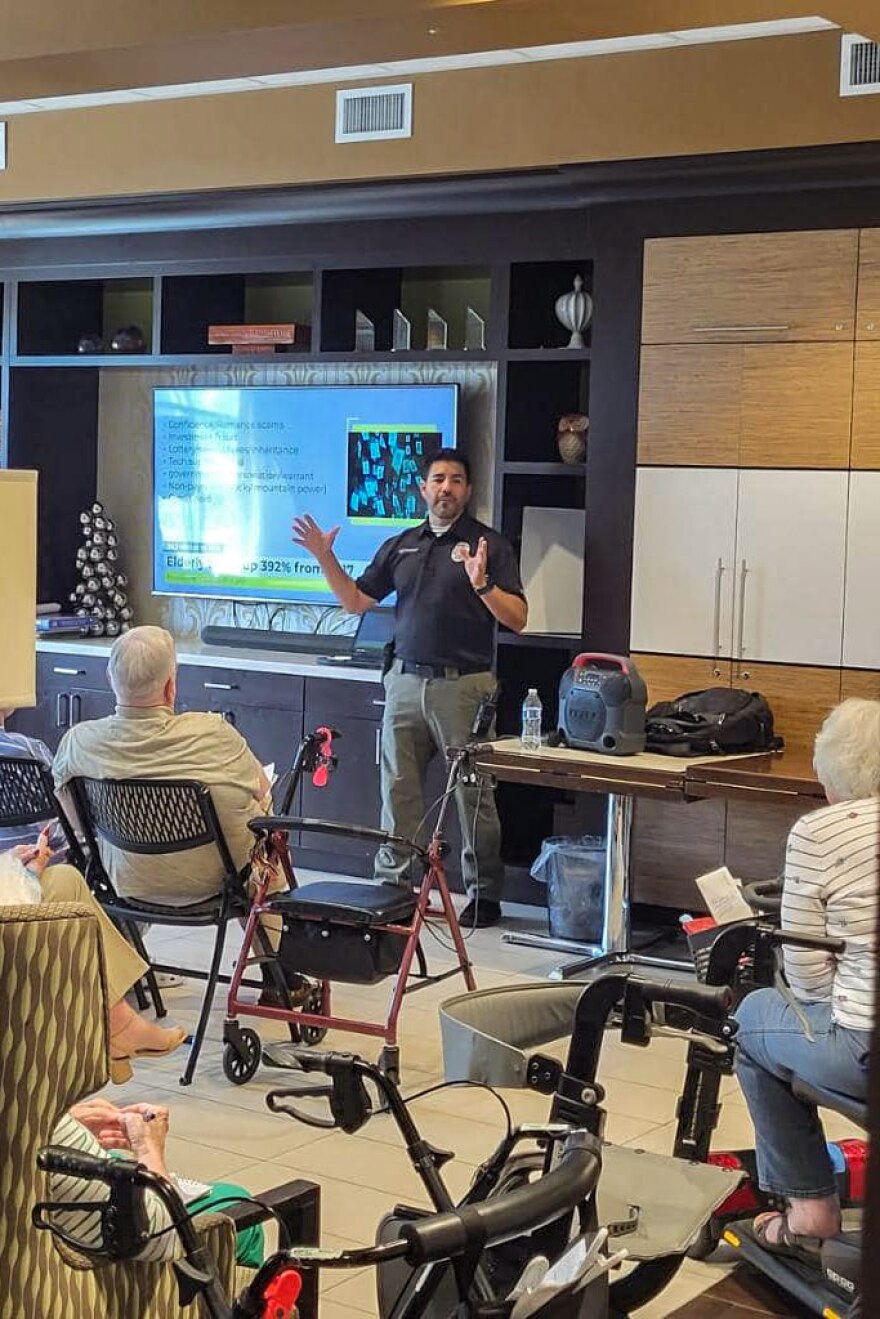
[222, 1131]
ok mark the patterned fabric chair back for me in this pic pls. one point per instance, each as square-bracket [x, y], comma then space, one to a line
[54, 1052]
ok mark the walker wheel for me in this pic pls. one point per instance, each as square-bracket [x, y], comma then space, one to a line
[241, 1060]
[314, 1003]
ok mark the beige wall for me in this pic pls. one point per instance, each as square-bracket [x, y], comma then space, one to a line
[735, 96]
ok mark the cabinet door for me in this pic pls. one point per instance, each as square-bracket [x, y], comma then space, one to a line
[861, 627]
[273, 734]
[790, 555]
[868, 314]
[88, 703]
[799, 696]
[352, 794]
[866, 406]
[750, 287]
[746, 405]
[670, 676]
[796, 405]
[682, 596]
[689, 404]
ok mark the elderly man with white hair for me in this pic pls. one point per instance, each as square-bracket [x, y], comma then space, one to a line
[145, 739]
[821, 1033]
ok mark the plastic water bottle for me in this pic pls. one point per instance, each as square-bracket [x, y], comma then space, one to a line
[531, 721]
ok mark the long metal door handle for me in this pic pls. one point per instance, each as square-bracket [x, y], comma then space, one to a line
[716, 625]
[62, 710]
[221, 686]
[734, 329]
[740, 645]
[75, 709]
[378, 746]
[69, 673]
[375, 702]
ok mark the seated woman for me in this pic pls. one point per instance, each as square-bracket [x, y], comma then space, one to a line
[130, 1035]
[99, 1128]
[822, 1035]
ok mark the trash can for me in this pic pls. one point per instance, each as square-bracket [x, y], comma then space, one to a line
[574, 871]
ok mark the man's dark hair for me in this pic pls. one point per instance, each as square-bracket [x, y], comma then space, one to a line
[446, 456]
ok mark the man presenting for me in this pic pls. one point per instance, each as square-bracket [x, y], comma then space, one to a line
[454, 578]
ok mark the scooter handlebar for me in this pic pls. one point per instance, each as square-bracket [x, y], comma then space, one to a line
[444, 1236]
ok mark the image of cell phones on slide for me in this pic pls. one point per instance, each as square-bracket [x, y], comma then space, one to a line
[385, 464]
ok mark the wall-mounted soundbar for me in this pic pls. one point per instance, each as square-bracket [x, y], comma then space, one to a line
[255, 638]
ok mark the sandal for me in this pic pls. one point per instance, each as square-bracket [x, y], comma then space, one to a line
[790, 1244]
[120, 1063]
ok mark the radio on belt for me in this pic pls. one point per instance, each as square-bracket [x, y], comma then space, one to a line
[602, 700]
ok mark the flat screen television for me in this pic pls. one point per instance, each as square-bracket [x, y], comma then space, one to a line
[232, 467]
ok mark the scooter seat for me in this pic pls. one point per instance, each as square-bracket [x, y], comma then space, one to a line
[347, 903]
[854, 1109]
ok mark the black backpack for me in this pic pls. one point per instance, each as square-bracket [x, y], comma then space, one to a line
[712, 722]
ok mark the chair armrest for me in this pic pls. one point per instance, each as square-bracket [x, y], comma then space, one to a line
[298, 1206]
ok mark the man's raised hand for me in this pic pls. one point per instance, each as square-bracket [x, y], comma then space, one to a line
[476, 565]
[307, 533]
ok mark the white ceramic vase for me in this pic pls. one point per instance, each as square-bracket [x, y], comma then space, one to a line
[573, 311]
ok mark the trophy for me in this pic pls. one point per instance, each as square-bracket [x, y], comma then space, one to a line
[438, 330]
[401, 331]
[364, 333]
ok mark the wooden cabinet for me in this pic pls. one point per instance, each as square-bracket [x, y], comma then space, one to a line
[683, 558]
[868, 310]
[745, 563]
[866, 406]
[861, 629]
[669, 676]
[860, 682]
[751, 287]
[746, 405]
[799, 695]
[690, 404]
[790, 557]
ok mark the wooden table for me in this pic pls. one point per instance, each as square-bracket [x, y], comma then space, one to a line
[769, 777]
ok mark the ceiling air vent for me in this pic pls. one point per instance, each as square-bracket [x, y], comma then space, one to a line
[367, 114]
[859, 66]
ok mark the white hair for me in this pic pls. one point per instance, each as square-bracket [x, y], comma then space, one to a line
[846, 756]
[141, 662]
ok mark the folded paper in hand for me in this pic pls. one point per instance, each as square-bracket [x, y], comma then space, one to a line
[722, 895]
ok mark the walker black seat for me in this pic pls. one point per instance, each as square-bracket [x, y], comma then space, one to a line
[348, 903]
[854, 1109]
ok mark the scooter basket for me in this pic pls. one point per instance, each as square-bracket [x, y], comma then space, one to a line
[333, 931]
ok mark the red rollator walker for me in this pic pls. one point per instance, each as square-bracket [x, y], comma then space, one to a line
[351, 931]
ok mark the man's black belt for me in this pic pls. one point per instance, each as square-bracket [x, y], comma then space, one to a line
[440, 670]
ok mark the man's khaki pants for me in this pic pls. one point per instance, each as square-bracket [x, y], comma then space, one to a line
[424, 716]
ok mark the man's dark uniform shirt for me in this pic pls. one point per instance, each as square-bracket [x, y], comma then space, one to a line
[438, 617]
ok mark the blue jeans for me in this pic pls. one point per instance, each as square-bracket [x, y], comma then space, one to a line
[772, 1049]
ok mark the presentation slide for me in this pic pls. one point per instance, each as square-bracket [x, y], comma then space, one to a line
[233, 467]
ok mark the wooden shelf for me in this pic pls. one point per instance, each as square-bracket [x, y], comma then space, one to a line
[544, 469]
[547, 354]
[263, 359]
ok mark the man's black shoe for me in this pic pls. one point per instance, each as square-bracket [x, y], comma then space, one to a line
[479, 914]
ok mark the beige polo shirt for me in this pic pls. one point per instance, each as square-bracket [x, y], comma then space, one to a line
[156, 743]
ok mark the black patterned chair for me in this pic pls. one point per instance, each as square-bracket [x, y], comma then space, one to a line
[152, 817]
